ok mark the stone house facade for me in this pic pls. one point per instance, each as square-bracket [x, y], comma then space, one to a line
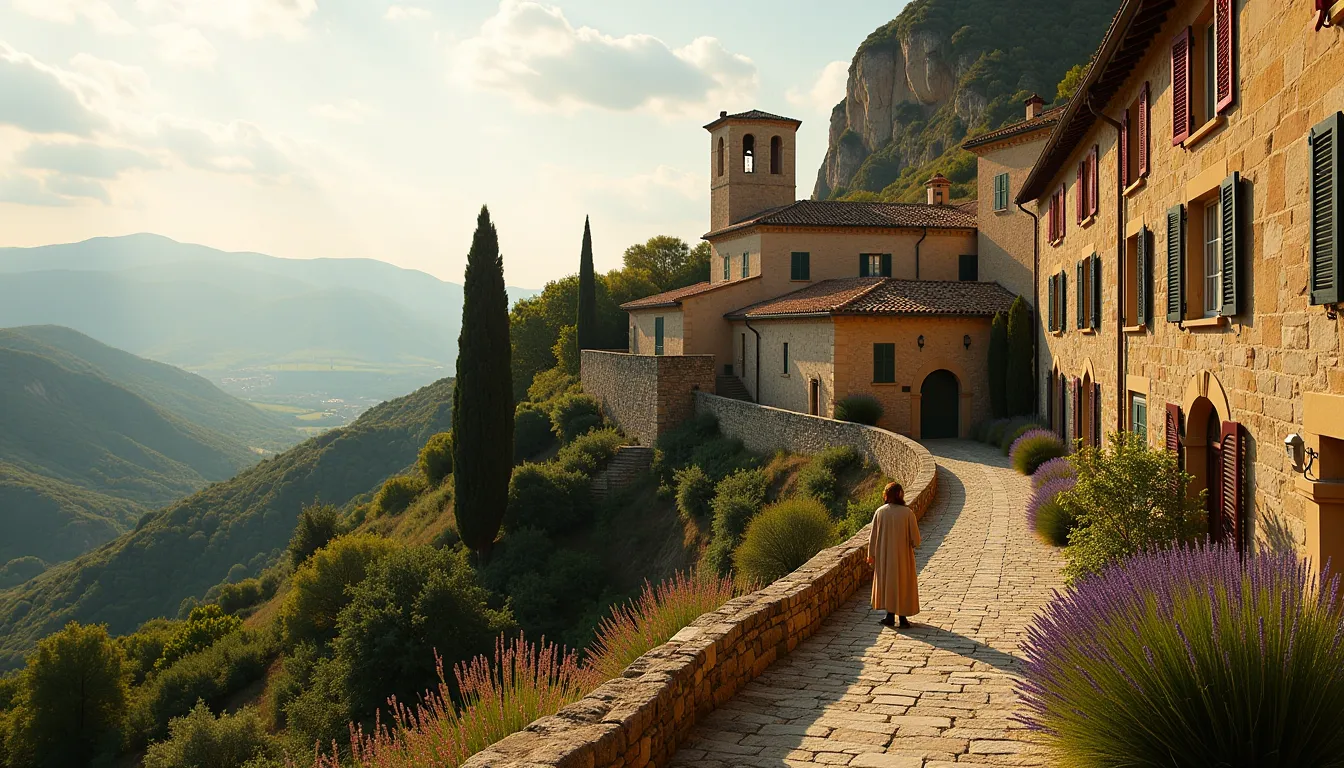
[1189, 200]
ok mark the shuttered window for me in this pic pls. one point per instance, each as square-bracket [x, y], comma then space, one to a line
[1077, 409]
[746, 265]
[1050, 304]
[1176, 264]
[1144, 125]
[875, 265]
[1224, 30]
[1094, 283]
[1079, 196]
[1230, 484]
[1063, 293]
[657, 335]
[1182, 112]
[1096, 415]
[1124, 148]
[884, 363]
[1143, 284]
[726, 273]
[1229, 212]
[1080, 287]
[800, 265]
[1326, 192]
[1001, 192]
[1093, 181]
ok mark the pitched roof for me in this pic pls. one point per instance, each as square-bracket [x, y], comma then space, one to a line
[1127, 39]
[837, 213]
[1042, 121]
[753, 114]
[674, 297]
[884, 296]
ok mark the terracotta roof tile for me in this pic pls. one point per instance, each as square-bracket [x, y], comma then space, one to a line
[1044, 120]
[674, 297]
[753, 114]
[836, 213]
[885, 296]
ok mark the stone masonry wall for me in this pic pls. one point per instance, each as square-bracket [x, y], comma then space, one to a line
[638, 719]
[646, 394]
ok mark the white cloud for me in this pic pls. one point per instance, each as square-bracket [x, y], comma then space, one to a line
[348, 111]
[179, 44]
[24, 189]
[236, 147]
[43, 99]
[531, 52]
[85, 158]
[406, 13]
[77, 186]
[248, 18]
[98, 13]
[826, 91]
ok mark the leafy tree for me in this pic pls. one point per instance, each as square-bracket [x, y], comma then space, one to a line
[1019, 378]
[207, 624]
[201, 740]
[436, 458]
[482, 395]
[1069, 85]
[317, 591]
[318, 524]
[587, 319]
[998, 366]
[566, 351]
[71, 700]
[397, 493]
[669, 261]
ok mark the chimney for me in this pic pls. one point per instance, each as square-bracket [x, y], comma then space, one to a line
[724, 112]
[1035, 106]
[938, 188]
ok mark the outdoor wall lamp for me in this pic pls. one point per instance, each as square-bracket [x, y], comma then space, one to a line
[1299, 454]
[966, 341]
[921, 341]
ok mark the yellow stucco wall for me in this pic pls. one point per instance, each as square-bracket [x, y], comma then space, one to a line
[1005, 237]
[811, 351]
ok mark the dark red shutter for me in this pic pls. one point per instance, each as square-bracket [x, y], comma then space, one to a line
[1181, 115]
[1143, 131]
[1079, 195]
[1173, 428]
[1124, 148]
[1077, 408]
[1230, 483]
[1096, 415]
[1224, 31]
[1094, 189]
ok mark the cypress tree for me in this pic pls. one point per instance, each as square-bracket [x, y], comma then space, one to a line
[587, 321]
[1020, 380]
[483, 395]
[998, 366]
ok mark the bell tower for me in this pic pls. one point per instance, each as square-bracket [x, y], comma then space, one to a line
[751, 165]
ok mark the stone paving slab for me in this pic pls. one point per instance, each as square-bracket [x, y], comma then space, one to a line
[938, 695]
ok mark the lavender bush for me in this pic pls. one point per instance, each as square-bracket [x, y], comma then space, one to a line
[1191, 657]
[1047, 516]
[1033, 448]
[1052, 470]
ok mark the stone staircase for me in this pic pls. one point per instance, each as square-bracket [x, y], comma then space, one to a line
[623, 470]
[727, 385]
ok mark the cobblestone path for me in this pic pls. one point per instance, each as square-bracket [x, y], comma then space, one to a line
[934, 696]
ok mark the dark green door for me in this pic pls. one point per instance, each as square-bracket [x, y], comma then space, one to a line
[939, 402]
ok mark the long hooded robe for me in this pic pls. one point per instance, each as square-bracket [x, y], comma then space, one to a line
[891, 549]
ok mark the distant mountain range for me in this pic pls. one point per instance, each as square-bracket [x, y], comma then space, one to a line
[92, 437]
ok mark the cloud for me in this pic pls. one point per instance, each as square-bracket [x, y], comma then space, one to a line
[42, 99]
[406, 13]
[348, 111]
[23, 189]
[826, 91]
[248, 18]
[236, 147]
[98, 13]
[179, 44]
[85, 158]
[78, 186]
[531, 52]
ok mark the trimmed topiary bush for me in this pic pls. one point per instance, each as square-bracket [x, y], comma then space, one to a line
[695, 491]
[861, 409]
[783, 537]
[1191, 657]
[1033, 448]
[574, 415]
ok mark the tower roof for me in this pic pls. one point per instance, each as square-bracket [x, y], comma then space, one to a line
[754, 115]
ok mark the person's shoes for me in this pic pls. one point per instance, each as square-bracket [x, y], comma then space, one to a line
[905, 623]
[888, 622]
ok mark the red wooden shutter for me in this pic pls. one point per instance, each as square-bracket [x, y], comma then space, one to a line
[1143, 130]
[1094, 190]
[1173, 429]
[1050, 220]
[1096, 415]
[1063, 218]
[1079, 193]
[1181, 113]
[1230, 482]
[1077, 408]
[1124, 148]
[1224, 32]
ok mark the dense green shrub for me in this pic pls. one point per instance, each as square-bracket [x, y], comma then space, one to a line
[317, 592]
[550, 385]
[1054, 521]
[820, 479]
[206, 625]
[859, 512]
[1128, 499]
[233, 598]
[320, 714]
[547, 497]
[721, 457]
[201, 740]
[397, 494]
[783, 537]
[1019, 383]
[1033, 448]
[674, 448]
[436, 458]
[553, 599]
[998, 366]
[531, 432]
[575, 414]
[590, 453]
[737, 498]
[318, 524]
[520, 551]
[695, 491]
[145, 645]
[288, 683]
[863, 409]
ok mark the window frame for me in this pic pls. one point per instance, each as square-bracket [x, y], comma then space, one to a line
[884, 370]
[746, 264]
[1137, 401]
[727, 267]
[1001, 191]
[867, 261]
[1211, 248]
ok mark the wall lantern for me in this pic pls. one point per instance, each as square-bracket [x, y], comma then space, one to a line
[1299, 454]
[921, 341]
[966, 341]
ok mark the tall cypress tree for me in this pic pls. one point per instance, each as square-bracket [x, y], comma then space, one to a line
[587, 322]
[998, 366]
[1019, 379]
[483, 396]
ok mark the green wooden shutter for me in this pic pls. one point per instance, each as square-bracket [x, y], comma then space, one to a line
[1326, 191]
[1142, 291]
[1231, 255]
[1050, 302]
[1080, 288]
[657, 335]
[1096, 292]
[886, 265]
[1176, 264]
[1063, 294]
[863, 265]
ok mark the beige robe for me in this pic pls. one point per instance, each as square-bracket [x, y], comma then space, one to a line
[891, 550]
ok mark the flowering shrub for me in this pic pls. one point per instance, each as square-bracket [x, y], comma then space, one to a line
[1191, 657]
[1047, 516]
[1052, 470]
[1013, 429]
[1033, 448]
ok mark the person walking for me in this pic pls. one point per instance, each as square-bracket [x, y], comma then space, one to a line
[891, 552]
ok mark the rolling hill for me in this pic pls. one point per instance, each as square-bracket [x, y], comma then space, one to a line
[188, 547]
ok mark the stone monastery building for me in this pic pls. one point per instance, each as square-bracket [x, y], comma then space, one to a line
[1177, 224]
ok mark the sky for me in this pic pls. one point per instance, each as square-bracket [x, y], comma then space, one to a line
[377, 129]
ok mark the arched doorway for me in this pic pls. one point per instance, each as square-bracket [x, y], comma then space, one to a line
[939, 405]
[1212, 461]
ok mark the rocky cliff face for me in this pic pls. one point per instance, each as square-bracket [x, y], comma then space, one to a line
[920, 84]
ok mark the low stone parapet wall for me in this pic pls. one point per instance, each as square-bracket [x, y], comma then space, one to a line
[640, 718]
[645, 394]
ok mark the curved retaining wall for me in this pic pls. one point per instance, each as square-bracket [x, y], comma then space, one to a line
[638, 719]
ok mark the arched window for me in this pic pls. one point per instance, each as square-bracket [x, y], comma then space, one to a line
[720, 166]
[776, 155]
[749, 153]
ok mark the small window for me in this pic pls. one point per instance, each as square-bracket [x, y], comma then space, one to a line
[727, 270]
[749, 153]
[776, 155]
[719, 162]
[884, 363]
[1213, 259]
[875, 265]
[1001, 192]
[657, 335]
[1138, 415]
[800, 267]
[968, 267]
[786, 359]
[746, 265]
[1138, 278]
